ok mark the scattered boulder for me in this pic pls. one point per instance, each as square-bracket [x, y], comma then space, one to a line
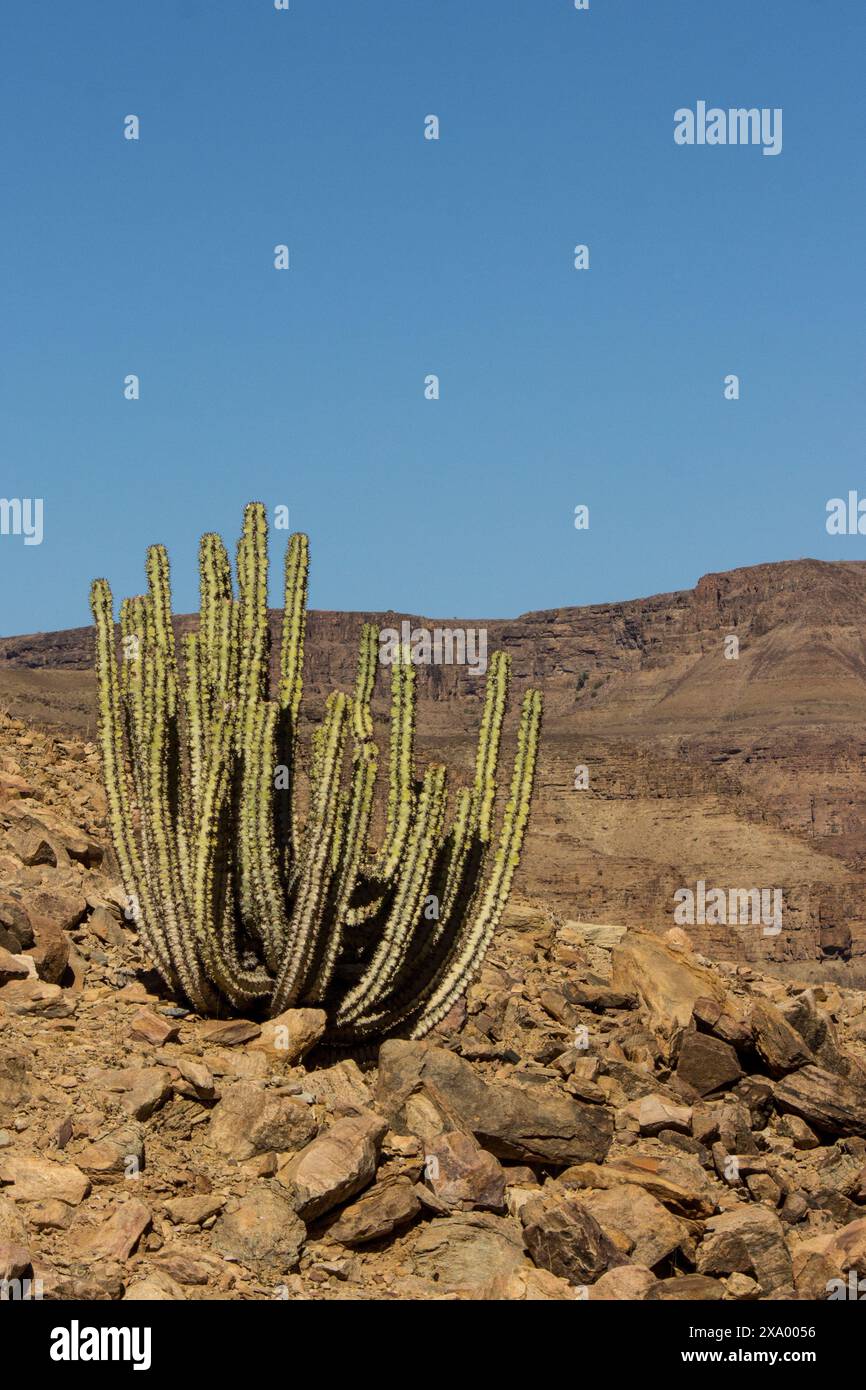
[827, 1102]
[462, 1174]
[564, 1237]
[290, 1036]
[377, 1213]
[541, 1126]
[748, 1241]
[249, 1120]
[707, 1064]
[116, 1236]
[336, 1165]
[779, 1046]
[466, 1252]
[260, 1229]
[34, 1178]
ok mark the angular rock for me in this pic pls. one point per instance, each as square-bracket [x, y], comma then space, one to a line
[462, 1174]
[33, 1178]
[747, 1241]
[679, 1182]
[377, 1213]
[629, 1214]
[336, 1165]
[290, 1036]
[341, 1088]
[526, 1284]
[655, 1112]
[229, 1032]
[667, 981]
[192, 1211]
[707, 1064]
[15, 1261]
[829, 1103]
[540, 1126]
[153, 1028]
[14, 967]
[119, 1153]
[116, 1237]
[249, 1121]
[14, 1085]
[466, 1252]
[687, 1288]
[196, 1079]
[779, 1046]
[627, 1282]
[260, 1229]
[37, 997]
[563, 1236]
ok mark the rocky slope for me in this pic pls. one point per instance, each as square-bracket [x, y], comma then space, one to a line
[608, 1115]
[747, 772]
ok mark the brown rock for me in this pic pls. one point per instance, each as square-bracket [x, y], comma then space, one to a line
[196, 1079]
[15, 1261]
[541, 1125]
[625, 1283]
[152, 1028]
[336, 1165]
[377, 1213]
[260, 1229]
[831, 1104]
[249, 1120]
[229, 1032]
[340, 1088]
[666, 980]
[679, 1182]
[778, 1045]
[116, 1237]
[14, 967]
[462, 1174]
[37, 997]
[748, 1241]
[192, 1211]
[290, 1036]
[707, 1064]
[632, 1218]
[465, 1253]
[526, 1284]
[655, 1112]
[687, 1288]
[33, 1178]
[14, 1085]
[119, 1153]
[563, 1236]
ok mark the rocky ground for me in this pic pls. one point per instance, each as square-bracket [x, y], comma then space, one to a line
[608, 1115]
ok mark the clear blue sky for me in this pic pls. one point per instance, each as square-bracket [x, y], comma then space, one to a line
[410, 257]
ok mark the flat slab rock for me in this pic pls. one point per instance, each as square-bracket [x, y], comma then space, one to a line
[378, 1212]
[465, 1253]
[537, 1126]
[337, 1164]
[827, 1102]
[32, 1178]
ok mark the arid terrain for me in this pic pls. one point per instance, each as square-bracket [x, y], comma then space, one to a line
[744, 773]
[627, 1111]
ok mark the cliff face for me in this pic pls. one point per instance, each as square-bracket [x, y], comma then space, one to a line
[743, 770]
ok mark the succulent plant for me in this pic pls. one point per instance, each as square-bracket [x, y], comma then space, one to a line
[250, 894]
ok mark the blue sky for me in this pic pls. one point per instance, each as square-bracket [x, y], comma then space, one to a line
[306, 387]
